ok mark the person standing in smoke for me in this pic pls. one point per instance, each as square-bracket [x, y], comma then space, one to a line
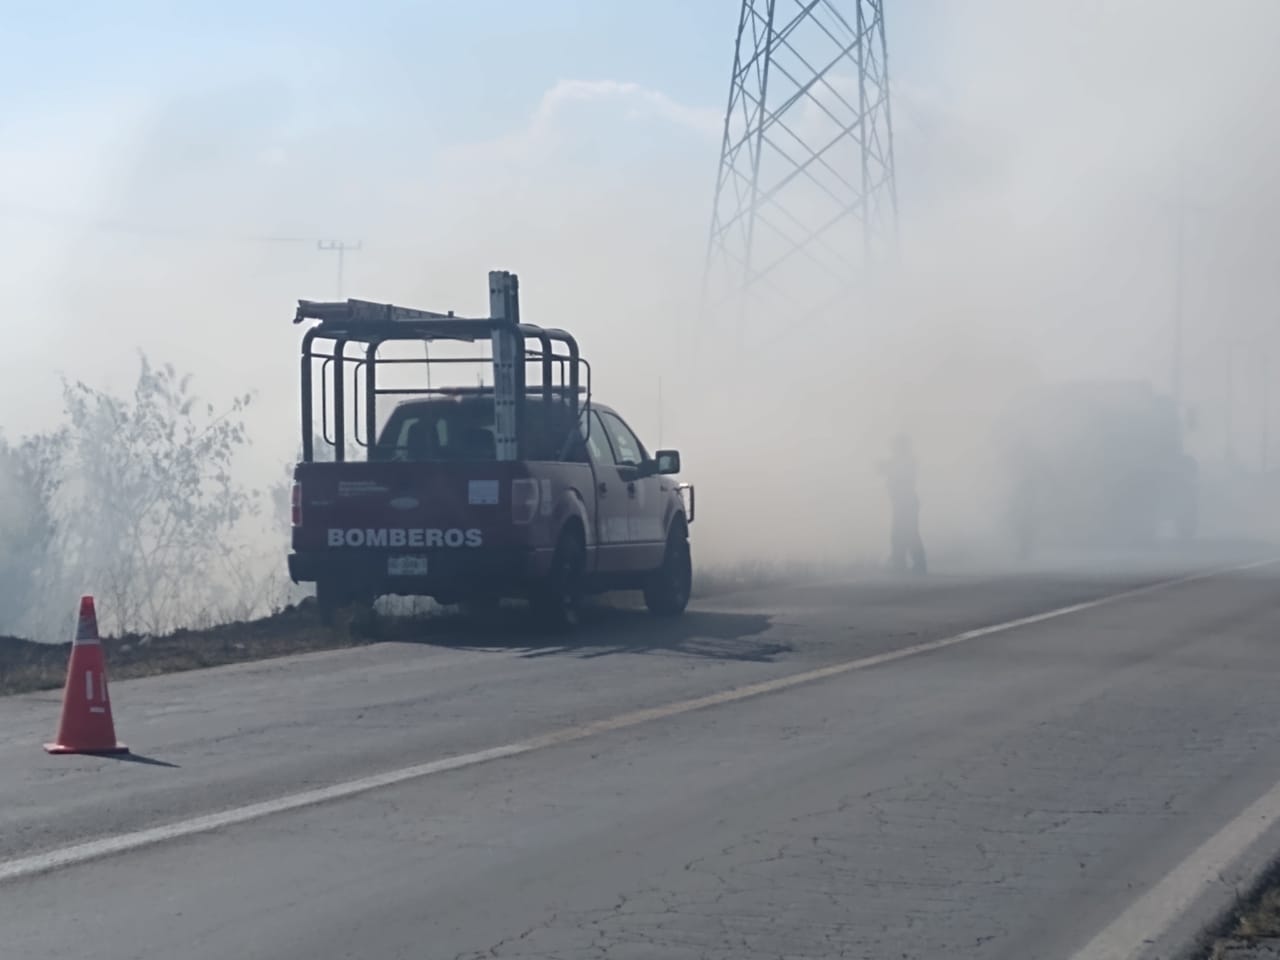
[900, 474]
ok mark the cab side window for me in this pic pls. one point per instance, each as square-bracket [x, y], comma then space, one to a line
[596, 440]
[626, 445]
[566, 438]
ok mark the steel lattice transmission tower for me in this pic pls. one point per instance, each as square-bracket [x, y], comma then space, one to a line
[805, 200]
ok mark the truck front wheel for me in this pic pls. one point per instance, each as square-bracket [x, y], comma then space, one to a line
[668, 590]
[557, 603]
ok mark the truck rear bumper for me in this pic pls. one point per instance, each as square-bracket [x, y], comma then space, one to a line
[455, 573]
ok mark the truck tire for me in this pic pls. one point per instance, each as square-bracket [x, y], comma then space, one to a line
[328, 601]
[557, 604]
[480, 607]
[333, 598]
[668, 590]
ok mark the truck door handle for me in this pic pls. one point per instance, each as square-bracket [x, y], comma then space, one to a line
[604, 487]
[631, 489]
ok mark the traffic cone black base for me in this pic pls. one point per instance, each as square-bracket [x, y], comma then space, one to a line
[115, 751]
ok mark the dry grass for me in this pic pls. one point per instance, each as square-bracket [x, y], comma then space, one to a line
[27, 666]
[1255, 929]
[1264, 919]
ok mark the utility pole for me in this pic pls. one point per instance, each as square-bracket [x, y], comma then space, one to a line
[806, 196]
[1179, 281]
[341, 247]
[1264, 358]
[1228, 451]
[660, 412]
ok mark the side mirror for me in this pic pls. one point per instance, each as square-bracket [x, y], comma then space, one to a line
[668, 461]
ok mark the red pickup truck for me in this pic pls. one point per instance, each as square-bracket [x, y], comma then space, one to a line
[524, 488]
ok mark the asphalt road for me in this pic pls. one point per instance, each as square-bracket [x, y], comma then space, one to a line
[1033, 791]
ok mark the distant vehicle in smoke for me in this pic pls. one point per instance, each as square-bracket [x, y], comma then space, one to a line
[1097, 463]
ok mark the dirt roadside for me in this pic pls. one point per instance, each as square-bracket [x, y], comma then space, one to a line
[26, 666]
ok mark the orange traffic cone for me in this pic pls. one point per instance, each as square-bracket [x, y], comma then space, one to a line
[86, 725]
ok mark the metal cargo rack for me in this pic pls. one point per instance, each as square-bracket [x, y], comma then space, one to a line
[340, 323]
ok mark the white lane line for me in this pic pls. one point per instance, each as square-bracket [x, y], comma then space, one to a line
[1155, 912]
[23, 867]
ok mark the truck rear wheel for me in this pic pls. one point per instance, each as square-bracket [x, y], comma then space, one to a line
[668, 590]
[328, 601]
[333, 597]
[557, 604]
[480, 607]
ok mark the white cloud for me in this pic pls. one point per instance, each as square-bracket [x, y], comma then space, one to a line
[634, 100]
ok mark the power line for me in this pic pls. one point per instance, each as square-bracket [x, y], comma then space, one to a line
[72, 221]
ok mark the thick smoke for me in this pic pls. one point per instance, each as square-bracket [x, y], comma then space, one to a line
[1043, 151]
[1041, 172]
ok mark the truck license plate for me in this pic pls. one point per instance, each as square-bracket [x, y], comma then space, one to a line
[407, 566]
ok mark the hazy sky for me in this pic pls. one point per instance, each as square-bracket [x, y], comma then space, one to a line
[144, 146]
[458, 70]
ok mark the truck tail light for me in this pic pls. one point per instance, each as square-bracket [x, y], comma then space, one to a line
[295, 503]
[524, 500]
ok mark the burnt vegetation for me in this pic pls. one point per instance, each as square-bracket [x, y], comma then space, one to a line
[135, 498]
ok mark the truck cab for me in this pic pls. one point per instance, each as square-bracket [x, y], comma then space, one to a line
[470, 494]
